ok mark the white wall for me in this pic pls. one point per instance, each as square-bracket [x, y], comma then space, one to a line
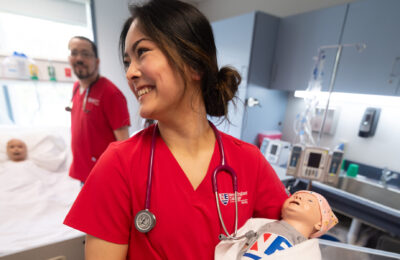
[221, 9]
[109, 18]
[381, 150]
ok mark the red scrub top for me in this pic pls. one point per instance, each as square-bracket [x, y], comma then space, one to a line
[92, 128]
[187, 220]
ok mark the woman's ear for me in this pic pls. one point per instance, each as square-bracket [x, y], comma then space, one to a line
[194, 74]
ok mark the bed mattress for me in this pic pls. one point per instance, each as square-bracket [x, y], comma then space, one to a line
[33, 204]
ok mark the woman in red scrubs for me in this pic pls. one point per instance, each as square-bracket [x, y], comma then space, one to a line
[170, 61]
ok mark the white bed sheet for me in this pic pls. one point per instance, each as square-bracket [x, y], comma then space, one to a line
[33, 204]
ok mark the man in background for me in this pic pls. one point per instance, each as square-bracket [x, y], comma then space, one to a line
[99, 112]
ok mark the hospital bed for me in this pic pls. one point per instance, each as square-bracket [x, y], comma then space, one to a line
[35, 196]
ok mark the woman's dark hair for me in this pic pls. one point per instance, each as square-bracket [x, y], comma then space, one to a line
[185, 36]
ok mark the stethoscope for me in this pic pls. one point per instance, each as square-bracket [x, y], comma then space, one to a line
[69, 108]
[146, 220]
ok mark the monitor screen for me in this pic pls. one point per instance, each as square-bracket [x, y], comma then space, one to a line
[274, 147]
[314, 159]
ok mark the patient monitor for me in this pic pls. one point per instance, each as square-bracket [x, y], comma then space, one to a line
[275, 151]
[315, 163]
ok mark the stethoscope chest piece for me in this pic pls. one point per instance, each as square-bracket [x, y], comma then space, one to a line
[145, 221]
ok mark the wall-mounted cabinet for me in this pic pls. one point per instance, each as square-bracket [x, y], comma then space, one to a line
[299, 38]
[247, 42]
[376, 70]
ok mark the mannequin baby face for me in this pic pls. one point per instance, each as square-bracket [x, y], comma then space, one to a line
[16, 150]
[303, 208]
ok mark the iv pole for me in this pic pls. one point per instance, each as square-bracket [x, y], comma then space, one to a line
[333, 77]
[331, 84]
[359, 47]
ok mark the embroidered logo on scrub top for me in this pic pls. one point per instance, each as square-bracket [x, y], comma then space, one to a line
[227, 198]
[267, 244]
[94, 101]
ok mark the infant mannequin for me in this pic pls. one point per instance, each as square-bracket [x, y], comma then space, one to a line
[16, 150]
[308, 213]
[305, 215]
[18, 170]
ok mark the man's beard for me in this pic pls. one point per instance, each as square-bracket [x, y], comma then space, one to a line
[83, 73]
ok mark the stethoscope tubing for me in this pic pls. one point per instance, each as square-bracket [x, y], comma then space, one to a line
[229, 170]
[223, 167]
[85, 100]
[150, 169]
[69, 108]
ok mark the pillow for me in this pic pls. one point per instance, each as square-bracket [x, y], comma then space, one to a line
[47, 149]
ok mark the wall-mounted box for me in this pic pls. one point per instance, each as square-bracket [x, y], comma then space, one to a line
[331, 121]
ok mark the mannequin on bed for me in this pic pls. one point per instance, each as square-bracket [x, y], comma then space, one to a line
[20, 173]
[16, 150]
[305, 215]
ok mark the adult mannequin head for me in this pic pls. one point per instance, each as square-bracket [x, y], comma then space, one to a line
[16, 150]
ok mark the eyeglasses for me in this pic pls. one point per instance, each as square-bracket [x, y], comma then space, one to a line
[84, 54]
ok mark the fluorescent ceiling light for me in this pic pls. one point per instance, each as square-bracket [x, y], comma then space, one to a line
[339, 97]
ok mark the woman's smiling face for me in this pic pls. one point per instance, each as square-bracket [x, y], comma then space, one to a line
[157, 85]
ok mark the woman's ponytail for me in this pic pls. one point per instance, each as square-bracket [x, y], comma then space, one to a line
[217, 97]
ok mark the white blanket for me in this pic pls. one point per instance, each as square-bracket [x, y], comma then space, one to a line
[228, 250]
[47, 149]
[33, 204]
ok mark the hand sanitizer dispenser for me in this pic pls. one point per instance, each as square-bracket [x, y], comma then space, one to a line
[369, 122]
